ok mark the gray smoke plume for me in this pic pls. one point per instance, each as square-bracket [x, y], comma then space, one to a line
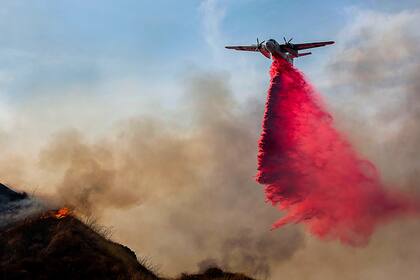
[174, 184]
[375, 91]
[15, 206]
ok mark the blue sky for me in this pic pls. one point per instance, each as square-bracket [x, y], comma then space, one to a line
[54, 46]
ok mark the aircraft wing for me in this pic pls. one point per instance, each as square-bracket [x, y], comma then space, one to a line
[251, 48]
[311, 45]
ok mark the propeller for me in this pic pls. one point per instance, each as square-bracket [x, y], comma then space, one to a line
[287, 42]
[259, 44]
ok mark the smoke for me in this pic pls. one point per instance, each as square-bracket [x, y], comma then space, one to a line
[375, 92]
[170, 183]
[19, 210]
[17, 206]
[120, 170]
[209, 216]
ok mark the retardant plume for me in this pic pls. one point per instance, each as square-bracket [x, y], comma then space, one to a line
[312, 172]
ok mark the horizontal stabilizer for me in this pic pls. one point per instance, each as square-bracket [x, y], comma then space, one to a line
[303, 54]
[311, 45]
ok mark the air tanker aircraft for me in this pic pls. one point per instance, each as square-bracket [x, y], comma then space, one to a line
[288, 50]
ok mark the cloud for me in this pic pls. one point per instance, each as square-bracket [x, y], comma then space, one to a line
[213, 14]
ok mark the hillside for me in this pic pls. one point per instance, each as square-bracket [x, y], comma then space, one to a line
[64, 248]
[57, 245]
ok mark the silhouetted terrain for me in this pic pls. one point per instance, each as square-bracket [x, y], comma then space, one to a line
[57, 245]
[52, 248]
[214, 273]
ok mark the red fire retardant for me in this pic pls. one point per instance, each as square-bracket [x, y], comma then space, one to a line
[312, 173]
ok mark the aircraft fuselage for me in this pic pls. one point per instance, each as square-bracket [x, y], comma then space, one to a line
[277, 50]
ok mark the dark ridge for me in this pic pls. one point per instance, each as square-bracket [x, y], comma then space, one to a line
[14, 206]
[8, 195]
[50, 245]
[45, 247]
[214, 273]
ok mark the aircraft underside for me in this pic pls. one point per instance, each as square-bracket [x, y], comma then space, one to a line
[288, 57]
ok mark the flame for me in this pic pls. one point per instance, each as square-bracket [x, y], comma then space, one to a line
[62, 213]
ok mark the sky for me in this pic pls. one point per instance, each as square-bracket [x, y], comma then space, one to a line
[47, 44]
[63, 49]
[138, 106]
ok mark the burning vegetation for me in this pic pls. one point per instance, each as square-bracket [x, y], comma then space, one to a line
[62, 213]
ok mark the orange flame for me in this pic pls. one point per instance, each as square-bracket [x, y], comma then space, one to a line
[62, 213]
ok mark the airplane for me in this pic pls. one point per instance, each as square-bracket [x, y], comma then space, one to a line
[288, 50]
